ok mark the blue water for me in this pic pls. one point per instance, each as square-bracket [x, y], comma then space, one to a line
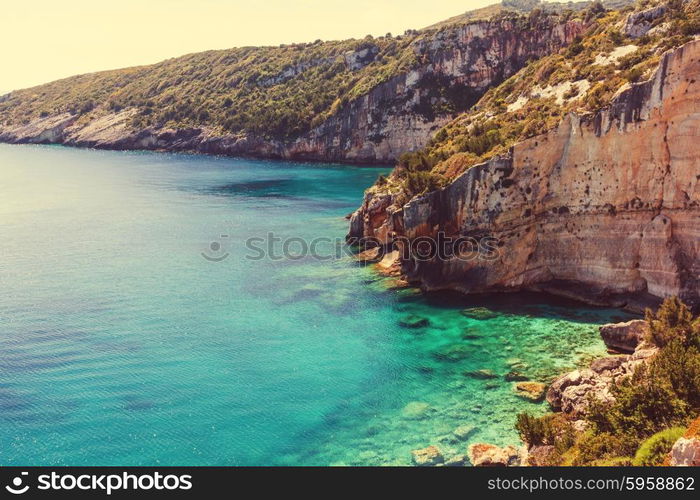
[123, 341]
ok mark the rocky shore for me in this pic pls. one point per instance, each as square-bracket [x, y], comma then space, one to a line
[571, 394]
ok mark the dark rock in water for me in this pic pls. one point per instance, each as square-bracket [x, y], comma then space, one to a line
[426, 370]
[454, 353]
[490, 386]
[456, 461]
[414, 321]
[482, 374]
[372, 431]
[480, 313]
[470, 334]
[624, 337]
[515, 376]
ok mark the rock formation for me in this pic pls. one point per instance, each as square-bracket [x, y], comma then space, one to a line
[605, 208]
[624, 337]
[427, 456]
[686, 451]
[571, 392]
[489, 455]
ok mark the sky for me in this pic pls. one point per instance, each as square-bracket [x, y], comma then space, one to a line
[44, 40]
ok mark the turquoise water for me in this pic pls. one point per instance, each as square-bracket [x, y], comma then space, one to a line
[121, 344]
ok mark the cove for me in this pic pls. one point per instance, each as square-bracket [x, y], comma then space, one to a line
[123, 344]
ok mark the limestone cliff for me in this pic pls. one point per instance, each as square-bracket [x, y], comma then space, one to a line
[604, 208]
[453, 66]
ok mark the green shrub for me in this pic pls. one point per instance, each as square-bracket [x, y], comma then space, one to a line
[644, 403]
[653, 451]
[593, 446]
[612, 462]
[552, 429]
[673, 320]
[663, 393]
[533, 430]
[417, 183]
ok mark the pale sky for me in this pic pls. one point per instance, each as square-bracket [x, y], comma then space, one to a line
[43, 40]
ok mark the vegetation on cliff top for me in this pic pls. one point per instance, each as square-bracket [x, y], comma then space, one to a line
[650, 407]
[582, 78]
[270, 92]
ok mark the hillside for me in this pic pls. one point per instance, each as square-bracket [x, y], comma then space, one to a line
[581, 165]
[355, 100]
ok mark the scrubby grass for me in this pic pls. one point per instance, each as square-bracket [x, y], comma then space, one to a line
[654, 450]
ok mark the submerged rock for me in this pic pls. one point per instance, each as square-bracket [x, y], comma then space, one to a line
[462, 432]
[456, 461]
[532, 391]
[484, 373]
[427, 456]
[417, 410]
[414, 321]
[470, 334]
[480, 313]
[489, 455]
[515, 376]
[454, 353]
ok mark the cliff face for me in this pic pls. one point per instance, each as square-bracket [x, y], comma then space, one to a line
[462, 63]
[604, 208]
[456, 66]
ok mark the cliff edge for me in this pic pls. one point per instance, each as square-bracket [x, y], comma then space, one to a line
[605, 207]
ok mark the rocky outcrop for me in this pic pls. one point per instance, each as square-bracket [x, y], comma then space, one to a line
[624, 337]
[531, 391]
[456, 66]
[539, 456]
[686, 450]
[640, 23]
[489, 455]
[427, 456]
[605, 208]
[572, 392]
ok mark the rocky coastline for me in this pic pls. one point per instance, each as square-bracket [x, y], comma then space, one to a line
[569, 396]
[603, 208]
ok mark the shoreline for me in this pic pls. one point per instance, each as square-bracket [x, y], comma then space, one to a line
[193, 152]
